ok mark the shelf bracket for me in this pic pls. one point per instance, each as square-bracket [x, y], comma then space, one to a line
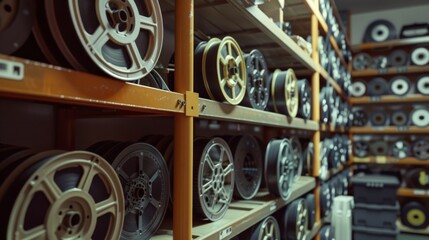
[191, 104]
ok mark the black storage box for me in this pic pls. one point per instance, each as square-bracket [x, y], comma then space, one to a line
[365, 233]
[378, 216]
[375, 189]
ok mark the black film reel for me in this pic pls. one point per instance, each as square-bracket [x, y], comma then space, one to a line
[257, 89]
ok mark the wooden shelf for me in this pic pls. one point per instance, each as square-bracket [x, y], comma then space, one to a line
[389, 130]
[58, 85]
[412, 98]
[406, 229]
[390, 71]
[241, 215]
[316, 228]
[390, 44]
[329, 128]
[389, 160]
[220, 111]
[409, 192]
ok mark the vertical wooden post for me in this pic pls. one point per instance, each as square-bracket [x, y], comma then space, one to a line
[183, 125]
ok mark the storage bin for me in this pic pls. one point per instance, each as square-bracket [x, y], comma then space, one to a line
[375, 189]
[365, 233]
[378, 216]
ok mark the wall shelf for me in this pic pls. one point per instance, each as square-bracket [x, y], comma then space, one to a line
[330, 128]
[389, 130]
[390, 71]
[388, 160]
[388, 99]
[390, 44]
[409, 192]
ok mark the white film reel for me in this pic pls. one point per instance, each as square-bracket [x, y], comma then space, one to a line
[420, 117]
[380, 33]
[400, 85]
[420, 56]
[423, 85]
[358, 89]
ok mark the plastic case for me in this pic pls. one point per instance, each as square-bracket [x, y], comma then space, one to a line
[365, 233]
[378, 216]
[375, 189]
[342, 217]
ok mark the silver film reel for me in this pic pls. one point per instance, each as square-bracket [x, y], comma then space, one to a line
[420, 56]
[400, 85]
[420, 117]
[358, 89]
[423, 85]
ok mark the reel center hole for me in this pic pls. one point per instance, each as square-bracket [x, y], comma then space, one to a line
[421, 56]
[426, 85]
[380, 33]
[377, 87]
[380, 150]
[72, 219]
[400, 86]
[421, 117]
[139, 193]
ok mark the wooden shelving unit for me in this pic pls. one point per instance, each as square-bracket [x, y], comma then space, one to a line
[389, 130]
[390, 71]
[389, 99]
[390, 44]
[409, 192]
[388, 160]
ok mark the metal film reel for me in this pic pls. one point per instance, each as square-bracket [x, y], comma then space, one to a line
[311, 210]
[327, 233]
[360, 118]
[378, 118]
[257, 92]
[378, 87]
[70, 195]
[296, 220]
[360, 149]
[362, 61]
[400, 85]
[297, 156]
[325, 200]
[224, 70]
[14, 15]
[423, 85]
[415, 215]
[267, 229]
[248, 164]
[417, 178]
[307, 157]
[399, 118]
[420, 149]
[379, 31]
[324, 158]
[398, 58]
[379, 148]
[284, 92]
[379, 62]
[325, 104]
[400, 149]
[213, 178]
[279, 168]
[121, 38]
[358, 89]
[304, 88]
[420, 117]
[420, 56]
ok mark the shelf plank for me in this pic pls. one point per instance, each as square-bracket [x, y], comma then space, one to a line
[390, 44]
[388, 160]
[412, 98]
[390, 71]
[241, 215]
[58, 85]
[316, 228]
[389, 130]
[406, 229]
[221, 111]
[409, 192]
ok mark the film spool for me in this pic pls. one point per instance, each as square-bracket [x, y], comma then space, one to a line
[378, 87]
[324, 158]
[224, 70]
[327, 233]
[248, 166]
[279, 168]
[14, 15]
[296, 220]
[267, 229]
[378, 119]
[362, 61]
[115, 37]
[358, 89]
[399, 118]
[379, 31]
[325, 104]
[325, 200]
[400, 149]
[379, 148]
[415, 215]
[420, 56]
[311, 210]
[257, 92]
[398, 58]
[400, 85]
[69, 195]
[360, 118]
[284, 92]
[304, 88]
[213, 178]
[420, 149]
[420, 117]
[308, 159]
[423, 85]
[417, 178]
[297, 156]
[379, 62]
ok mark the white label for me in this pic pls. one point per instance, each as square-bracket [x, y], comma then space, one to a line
[11, 70]
[225, 233]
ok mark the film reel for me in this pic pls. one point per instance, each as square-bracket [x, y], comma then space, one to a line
[257, 92]
[325, 104]
[400, 149]
[311, 210]
[267, 229]
[378, 87]
[378, 118]
[297, 156]
[379, 62]
[379, 31]
[248, 166]
[420, 56]
[420, 149]
[362, 61]
[308, 159]
[423, 85]
[358, 89]
[279, 168]
[324, 158]
[399, 118]
[304, 89]
[400, 85]
[360, 149]
[120, 38]
[360, 118]
[420, 117]
[325, 200]
[379, 148]
[296, 220]
[398, 58]
[284, 93]
[69, 195]
[224, 70]
[213, 178]
[415, 215]
[14, 15]
[417, 178]
[327, 233]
